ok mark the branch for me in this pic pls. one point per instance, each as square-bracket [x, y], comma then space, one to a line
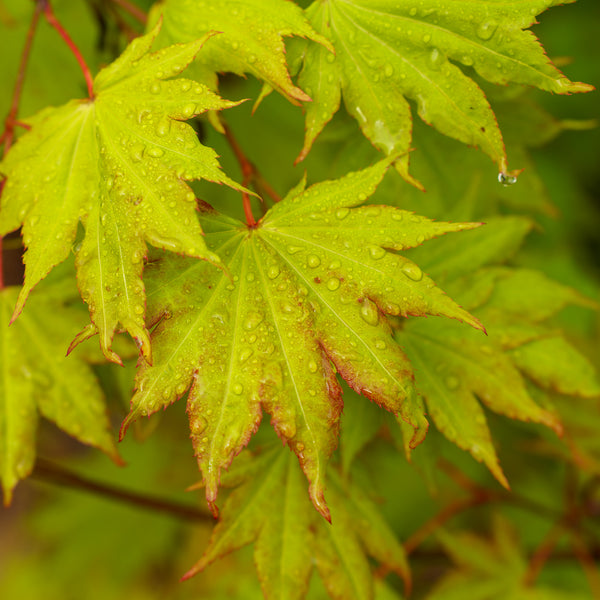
[135, 11]
[52, 473]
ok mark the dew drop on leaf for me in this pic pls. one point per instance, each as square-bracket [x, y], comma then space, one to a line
[333, 284]
[506, 180]
[412, 271]
[376, 252]
[273, 272]
[342, 213]
[313, 261]
[237, 388]
[369, 312]
[253, 320]
[487, 29]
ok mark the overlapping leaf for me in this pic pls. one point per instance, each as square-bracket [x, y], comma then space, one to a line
[389, 52]
[118, 163]
[272, 510]
[454, 370]
[251, 39]
[36, 377]
[309, 290]
[492, 568]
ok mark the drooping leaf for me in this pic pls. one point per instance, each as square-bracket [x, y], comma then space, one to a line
[455, 371]
[118, 163]
[272, 510]
[37, 378]
[309, 291]
[389, 52]
[250, 39]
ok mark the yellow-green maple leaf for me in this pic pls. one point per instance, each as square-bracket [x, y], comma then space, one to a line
[388, 52]
[308, 295]
[118, 163]
[250, 40]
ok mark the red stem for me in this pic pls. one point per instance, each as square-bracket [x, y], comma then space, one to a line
[10, 122]
[53, 21]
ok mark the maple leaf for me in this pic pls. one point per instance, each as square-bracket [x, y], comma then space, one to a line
[491, 568]
[310, 288]
[37, 377]
[271, 509]
[118, 163]
[387, 53]
[251, 39]
[454, 370]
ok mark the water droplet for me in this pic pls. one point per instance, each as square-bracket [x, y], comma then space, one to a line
[313, 261]
[312, 366]
[186, 84]
[333, 284]
[251, 59]
[250, 277]
[253, 320]
[330, 57]
[342, 213]
[198, 425]
[273, 272]
[506, 179]
[436, 58]
[163, 128]
[380, 345]
[388, 70]
[426, 38]
[188, 111]
[237, 388]
[155, 152]
[376, 252]
[155, 88]
[412, 271]
[369, 312]
[334, 264]
[139, 309]
[487, 29]
[245, 354]
[293, 249]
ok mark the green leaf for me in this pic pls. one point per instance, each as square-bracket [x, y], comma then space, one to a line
[250, 38]
[389, 52]
[309, 291]
[272, 510]
[494, 567]
[118, 163]
[37, 377]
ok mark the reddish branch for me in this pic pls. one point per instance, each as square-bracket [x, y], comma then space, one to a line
[54, 22]
[7, 137]
[250, 176]
[49, 472]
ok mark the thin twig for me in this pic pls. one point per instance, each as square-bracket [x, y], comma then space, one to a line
[52, 473]
[542, 554]
[54, 22]
[8, 135]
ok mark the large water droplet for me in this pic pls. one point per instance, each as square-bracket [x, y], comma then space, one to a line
[487, 29]
[312, 366]
[333, 284]
[313, 261]
[253, 320]
[506, 179]
[369, 312]
[237, 388]
[273, 272]
[342, 213]
[412, 271]
[376, 252]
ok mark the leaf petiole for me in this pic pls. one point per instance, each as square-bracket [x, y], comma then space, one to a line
[54, 22]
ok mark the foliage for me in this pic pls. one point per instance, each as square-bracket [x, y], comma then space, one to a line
[350, 294]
